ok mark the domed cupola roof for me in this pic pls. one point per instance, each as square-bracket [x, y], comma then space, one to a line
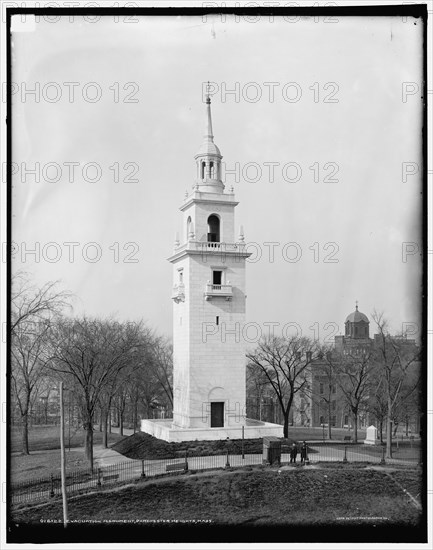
[208, 148]
[356, 316]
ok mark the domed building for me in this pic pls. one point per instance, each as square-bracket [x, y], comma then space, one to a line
[356, 335]
[326, 404]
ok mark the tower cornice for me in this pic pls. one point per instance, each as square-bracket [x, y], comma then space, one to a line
[201, 199]
[198, 248]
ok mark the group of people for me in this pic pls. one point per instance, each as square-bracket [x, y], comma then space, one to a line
[294, 452]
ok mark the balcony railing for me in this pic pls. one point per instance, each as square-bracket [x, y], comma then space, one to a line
[210, 247]
[212, 291]
[178, 293]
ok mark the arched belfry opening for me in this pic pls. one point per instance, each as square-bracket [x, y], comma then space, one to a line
[213, 229]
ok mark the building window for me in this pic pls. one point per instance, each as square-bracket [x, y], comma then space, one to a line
[322, 420]
[217, 277]
[334, 405]
[321, 388]
[346, 420]
[334, 388]
[217, 320]
[333, 421]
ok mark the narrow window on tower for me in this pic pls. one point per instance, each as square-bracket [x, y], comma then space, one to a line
[217, 321]
[203, 167]
[211, 171]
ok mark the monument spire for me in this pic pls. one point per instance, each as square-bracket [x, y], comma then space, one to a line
[209, 157]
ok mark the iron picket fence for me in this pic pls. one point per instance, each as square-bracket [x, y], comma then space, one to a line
[43, 489]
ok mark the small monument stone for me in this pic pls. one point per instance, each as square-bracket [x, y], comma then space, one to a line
[371, 437]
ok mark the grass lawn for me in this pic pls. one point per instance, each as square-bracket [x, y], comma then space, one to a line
[317, 434]
[289, 497]
[44, 463]
[42, 438]
[44, 457]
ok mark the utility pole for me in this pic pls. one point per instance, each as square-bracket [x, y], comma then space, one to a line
[63, 458]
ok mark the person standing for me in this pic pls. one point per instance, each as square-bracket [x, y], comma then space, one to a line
[304, 456]
[293, 453]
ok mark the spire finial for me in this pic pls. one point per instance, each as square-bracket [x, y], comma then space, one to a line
[356, 305]
[208, 129]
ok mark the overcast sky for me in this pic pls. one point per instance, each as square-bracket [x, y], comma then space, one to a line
[335, 105]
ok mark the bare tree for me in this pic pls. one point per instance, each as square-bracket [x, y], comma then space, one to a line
[378, 407]
[30, 304]
[325, 370]
[285, 363]
[353, 371]
[257, 387]
[393, 360]
[163, 366]
[91, 353]
[32, 312]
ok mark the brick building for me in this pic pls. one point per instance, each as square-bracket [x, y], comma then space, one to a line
[324, 402]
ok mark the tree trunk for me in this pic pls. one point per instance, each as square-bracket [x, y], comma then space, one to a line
[355, 427]
[25, 434]
[109, 420]
[134, 417]
[101, 415]
[88, 442]
[105, 429]
[389, 431]
[329, 420]
[286, 423]
[121, 422]
[381, 431]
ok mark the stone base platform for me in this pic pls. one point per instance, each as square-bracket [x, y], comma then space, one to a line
[253, 429]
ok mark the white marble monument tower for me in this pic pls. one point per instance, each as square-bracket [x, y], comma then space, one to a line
[209, 313]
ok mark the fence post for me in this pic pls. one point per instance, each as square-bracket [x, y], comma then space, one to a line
[382, 460]
[99, 477]
[227, 460]
[345, 454]
[142, 469]
[52, 486]
[243, 435]
[186, 460]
